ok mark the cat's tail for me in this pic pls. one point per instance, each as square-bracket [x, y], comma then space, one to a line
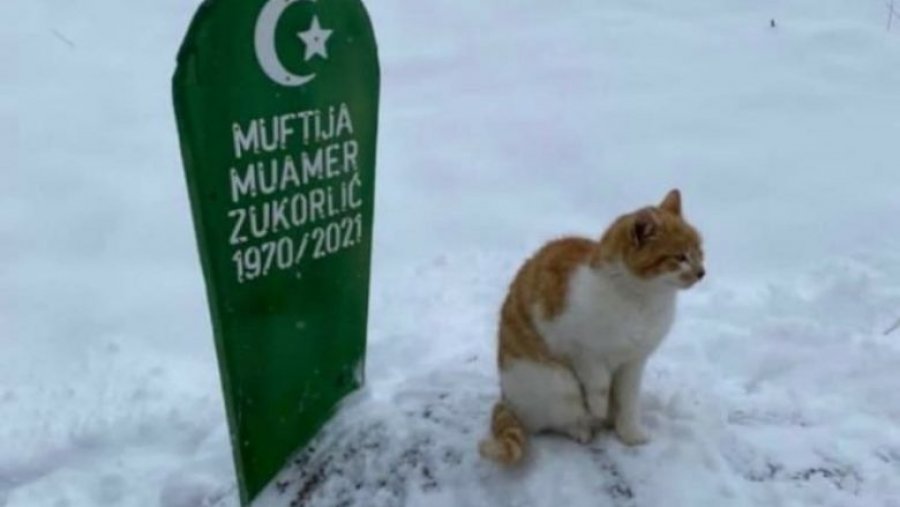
[506, 443]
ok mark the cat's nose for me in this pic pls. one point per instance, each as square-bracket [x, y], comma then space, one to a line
[701, 273]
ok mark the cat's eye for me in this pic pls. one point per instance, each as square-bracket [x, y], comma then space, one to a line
[681, 258]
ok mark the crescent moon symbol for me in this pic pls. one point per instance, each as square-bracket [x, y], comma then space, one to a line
[264, 39]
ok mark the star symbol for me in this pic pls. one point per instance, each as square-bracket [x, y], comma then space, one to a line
[315, 39]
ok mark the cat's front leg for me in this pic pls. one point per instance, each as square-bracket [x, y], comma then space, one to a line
[626, 388]
[596, 379]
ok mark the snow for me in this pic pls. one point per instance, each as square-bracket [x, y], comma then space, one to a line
[502, 126]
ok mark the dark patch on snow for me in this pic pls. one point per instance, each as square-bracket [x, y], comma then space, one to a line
[754, 468]
[889, 456]
[772, 470]
[372, 464]
[767, 418]
[615, 485]
[843, 477]
[378, 455]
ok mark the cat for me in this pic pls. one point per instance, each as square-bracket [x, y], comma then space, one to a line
[580, 320]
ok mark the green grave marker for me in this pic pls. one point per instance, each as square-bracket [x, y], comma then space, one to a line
[277, 106]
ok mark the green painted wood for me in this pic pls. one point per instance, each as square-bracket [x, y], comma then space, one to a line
[277, 108]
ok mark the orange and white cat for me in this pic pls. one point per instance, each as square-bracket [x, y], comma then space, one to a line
[579, 322]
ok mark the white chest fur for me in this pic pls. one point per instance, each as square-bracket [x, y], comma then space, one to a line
[610, 317]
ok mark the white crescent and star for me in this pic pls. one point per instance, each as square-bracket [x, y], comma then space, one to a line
[264, 40]
[315, 39]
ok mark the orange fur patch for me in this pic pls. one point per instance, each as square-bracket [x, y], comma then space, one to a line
[507, 441]
[541, 283]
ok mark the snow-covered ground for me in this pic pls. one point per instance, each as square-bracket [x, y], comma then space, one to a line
[502, 126]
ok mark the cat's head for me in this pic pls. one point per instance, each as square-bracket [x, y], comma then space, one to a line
[657, 244]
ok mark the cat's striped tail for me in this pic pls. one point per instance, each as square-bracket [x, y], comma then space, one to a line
[506, 444]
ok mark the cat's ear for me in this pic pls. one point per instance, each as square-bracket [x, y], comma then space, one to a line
[672, 202]
[645, 226]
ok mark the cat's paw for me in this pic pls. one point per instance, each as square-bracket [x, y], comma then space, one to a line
[581, 432]
[632, 434]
